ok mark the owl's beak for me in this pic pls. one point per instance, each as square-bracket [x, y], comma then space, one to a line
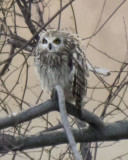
[50, 46]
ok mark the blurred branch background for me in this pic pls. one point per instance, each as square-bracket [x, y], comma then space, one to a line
[103, 26]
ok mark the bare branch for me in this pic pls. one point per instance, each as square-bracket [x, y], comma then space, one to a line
[111, 132]
[20, 44]
[27, 15]
[47, 107]
[12, 50]
[64, 117]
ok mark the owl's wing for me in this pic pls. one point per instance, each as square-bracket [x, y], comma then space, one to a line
[79, 81]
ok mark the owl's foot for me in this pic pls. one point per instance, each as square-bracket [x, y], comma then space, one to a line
[54, 95]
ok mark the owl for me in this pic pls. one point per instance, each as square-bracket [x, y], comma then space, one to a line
[59, 59]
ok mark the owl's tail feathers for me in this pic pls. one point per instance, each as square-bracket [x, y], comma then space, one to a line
[102, 71]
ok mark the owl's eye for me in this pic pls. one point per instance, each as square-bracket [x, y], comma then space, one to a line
[57, 41]
[44, 41]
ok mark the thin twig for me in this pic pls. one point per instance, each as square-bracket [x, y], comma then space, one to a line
[8, 62]
[60, 15]
[104, 3]
[106, 20]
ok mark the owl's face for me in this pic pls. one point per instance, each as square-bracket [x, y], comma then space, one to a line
[51, 42]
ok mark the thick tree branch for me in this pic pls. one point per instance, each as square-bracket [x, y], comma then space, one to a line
[47, 107]
[111, 132]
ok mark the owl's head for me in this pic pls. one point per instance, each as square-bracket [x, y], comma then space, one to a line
[51, 41]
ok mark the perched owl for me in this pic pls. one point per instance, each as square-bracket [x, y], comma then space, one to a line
[60, 60]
